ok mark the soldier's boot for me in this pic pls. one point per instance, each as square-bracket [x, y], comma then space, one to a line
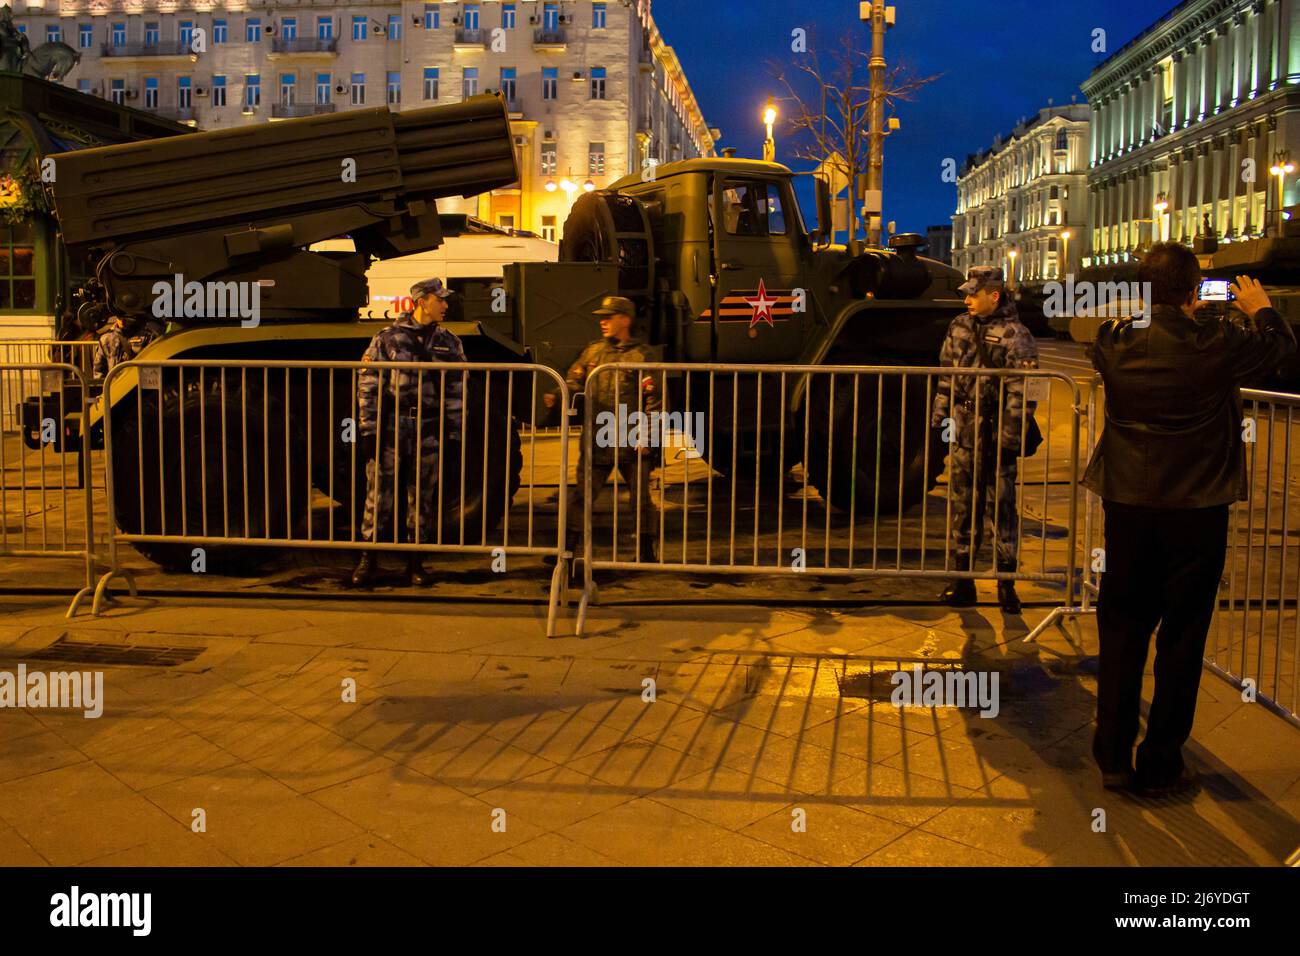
[960, 593]
[646, 551]
[364, 573]
[1008, 599]
[416, 575]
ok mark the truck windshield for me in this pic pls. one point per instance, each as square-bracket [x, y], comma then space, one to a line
[753, 208]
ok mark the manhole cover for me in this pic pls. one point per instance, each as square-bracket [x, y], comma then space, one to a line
[125, 655]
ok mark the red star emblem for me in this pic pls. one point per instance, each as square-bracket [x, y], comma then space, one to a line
[762, 306]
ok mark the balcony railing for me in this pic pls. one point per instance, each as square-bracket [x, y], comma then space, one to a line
[305, 45]
[291, 110]
[146, 49]
[552, 37]
[466, 37]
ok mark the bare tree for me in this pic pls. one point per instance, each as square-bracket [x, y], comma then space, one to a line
[827, 106]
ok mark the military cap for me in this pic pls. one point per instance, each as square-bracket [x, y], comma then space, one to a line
[614, 305]
[430, 287]
[980, 278]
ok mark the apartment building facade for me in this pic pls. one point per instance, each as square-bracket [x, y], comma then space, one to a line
[1189, 118]
[594, 91]
[1022, 203]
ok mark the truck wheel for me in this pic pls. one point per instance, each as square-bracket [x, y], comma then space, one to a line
[174, 485]
[852, 482]
[488, 493]
[609, 227]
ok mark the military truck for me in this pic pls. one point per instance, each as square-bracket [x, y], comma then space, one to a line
[693, 242]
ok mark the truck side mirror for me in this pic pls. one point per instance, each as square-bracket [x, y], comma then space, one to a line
[823, 193]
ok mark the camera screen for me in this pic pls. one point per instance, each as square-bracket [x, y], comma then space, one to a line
[1215, 290]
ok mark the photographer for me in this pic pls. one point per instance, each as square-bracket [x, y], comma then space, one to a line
[1167, 466]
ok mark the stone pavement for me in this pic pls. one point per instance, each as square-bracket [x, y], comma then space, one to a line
[473, 739]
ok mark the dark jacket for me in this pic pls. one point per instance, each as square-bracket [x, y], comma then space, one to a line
[1173, 431]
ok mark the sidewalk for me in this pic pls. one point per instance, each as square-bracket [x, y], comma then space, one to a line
[467, 716]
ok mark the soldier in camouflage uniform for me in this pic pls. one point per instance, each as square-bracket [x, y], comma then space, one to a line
[988, 335]
[121, 340]
[618, 346]
[399, 426]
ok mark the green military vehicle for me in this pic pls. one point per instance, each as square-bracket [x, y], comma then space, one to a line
[714, 251]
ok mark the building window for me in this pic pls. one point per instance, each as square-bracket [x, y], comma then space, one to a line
[117, 91]
[219, 31]
[184, 92]
[597, 82]
[550, 17]
[595, 159]
[151, 92]
[289, 28]
[218, 91]
[598, 16]
[548, 158]
[253, 30]
[394, 89]
[550, 82]
[431, 17]
[1062, 139]
[394, 28]
[83, 86]
[359, 28]
[185, 33]
[358, 89]
[253, 90]
[85, 35]
[430, 82]
[469, 82]
[471, 16]
[53, 34]
[507, 16]
[323, 84]
[548, 228]
[17, 267]
[324, 28]
[508, 83]
[288, 83]
[119, 34]
[151, 34]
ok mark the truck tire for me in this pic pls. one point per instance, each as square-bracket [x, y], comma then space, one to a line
[606, 226]
[489, 491]
[851, 483]
[268, 498]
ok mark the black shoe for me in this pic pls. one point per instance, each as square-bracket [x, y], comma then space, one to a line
[415, 573]
[646, 552]
[1008, 599]
[1187, 779]
[961, 593]
[364, 572]
[1121, 780]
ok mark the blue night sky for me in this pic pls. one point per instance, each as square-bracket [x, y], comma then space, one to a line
[994, 71]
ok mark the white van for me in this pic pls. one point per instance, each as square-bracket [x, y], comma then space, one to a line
[470, 258]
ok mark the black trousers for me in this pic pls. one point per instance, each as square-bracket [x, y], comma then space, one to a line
[1163, 567]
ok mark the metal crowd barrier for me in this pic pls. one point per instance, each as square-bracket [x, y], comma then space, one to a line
[729, 501]
[80, 354]
[45, 493]
[237, 456]
[1256, 631]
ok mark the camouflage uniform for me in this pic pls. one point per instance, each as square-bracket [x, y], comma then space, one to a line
[609, 390]
[403, 417]
[974, 467]
[118, 344]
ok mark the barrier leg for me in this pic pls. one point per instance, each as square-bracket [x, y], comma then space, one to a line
[101, 589]
[1057, 619]
[559, 577]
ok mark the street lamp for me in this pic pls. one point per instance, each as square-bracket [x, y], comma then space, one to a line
[550, 186]
[1161, 205]
[1281, 168]
[769, 144]
[1065, 254]
[1011, 254]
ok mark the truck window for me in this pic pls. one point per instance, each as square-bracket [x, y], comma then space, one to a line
[752, 208]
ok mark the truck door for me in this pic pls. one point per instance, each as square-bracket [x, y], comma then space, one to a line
[758, 265]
